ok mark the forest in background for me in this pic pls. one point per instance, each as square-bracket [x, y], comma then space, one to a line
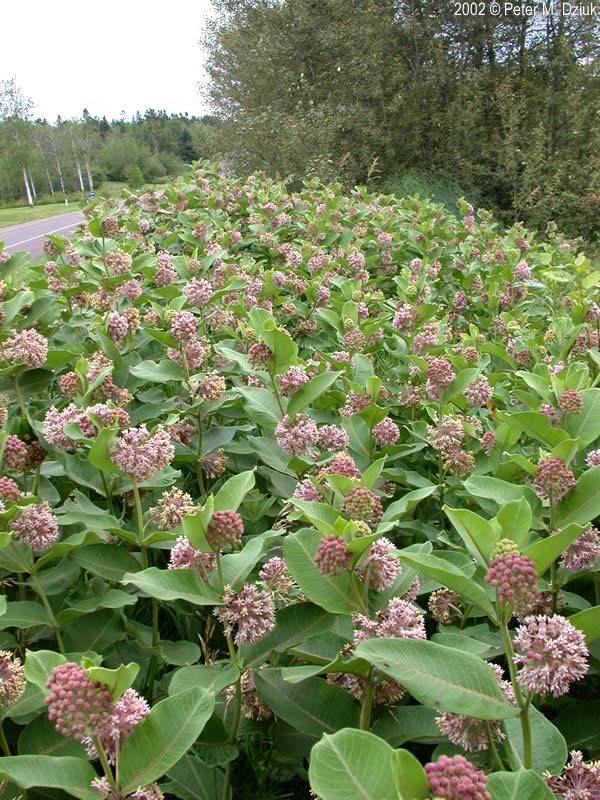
[46, 161]
[381, 91]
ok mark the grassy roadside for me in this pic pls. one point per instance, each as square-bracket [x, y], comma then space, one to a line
[13, 216]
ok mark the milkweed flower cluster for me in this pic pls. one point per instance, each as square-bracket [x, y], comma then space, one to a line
[26, 347]
[225, 530]
[12, 678]
[380, 567]
[363, 505]
[445, 606]
[299, 437]
[171, 508]
[140, 454]
[553, 479]
[249, 612]
[515, 580]
[583, 552]
[455, 778]
[112, 732]
[36, 526]
[400, 619]
[552, 654]
[333, 555]
[184, 555]
[578, 780]
[77, 705]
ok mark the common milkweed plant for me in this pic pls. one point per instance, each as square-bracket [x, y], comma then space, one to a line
[312, 473]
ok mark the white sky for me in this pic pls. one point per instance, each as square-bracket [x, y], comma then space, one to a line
[109, 56]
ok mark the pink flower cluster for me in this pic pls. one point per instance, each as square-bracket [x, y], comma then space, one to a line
[36, 527]
[515, 580]
[455, 778]
[26, 347]
[299, 437]
[140, 454]
[553, 479]
[250, 612]
[399, 620]
[333, 555]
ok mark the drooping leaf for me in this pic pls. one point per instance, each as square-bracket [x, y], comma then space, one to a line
[173, 584]
[440, 677]
[163, 737]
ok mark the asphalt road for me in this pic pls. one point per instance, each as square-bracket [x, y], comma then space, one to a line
[29, 236]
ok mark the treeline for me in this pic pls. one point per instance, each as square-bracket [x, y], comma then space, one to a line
[368, 90]
[42, 160]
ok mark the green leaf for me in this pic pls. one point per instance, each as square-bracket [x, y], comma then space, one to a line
[118, 680]
[231, 495]
[41, 738]
[173, 584]
[440, 677]
[501, 492]
[193, 780]
[588, 621]
[582, 503]
[536, 425]
[578, 723]
[39, 664]
[213, 678]
[110, 561]
[237, 566]
[402, 724]
[162, 372]
[450, 576]
[354, 765]
[476, 532]
[24, 614]
[411, 779]
[407, 503]
[99, 453]
[72, 775]
[515, 520]
[586, 424]
[464, 378]
[315, 388]
[337, 594]
[549, 749]
[261, 406]
[522, 785]
[547, 550]
[312, 706]
[295, 624]
[163, 737]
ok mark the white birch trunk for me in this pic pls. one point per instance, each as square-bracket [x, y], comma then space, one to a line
[27, 189]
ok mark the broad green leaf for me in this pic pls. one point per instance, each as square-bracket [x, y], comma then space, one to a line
[586, 424]
[237, 566]
[337, 594]
[501, 492]
[295, 624]
[193, 780]
[321, 515]
[588, 621]
[549, 749]
[440, 677]
[464, 378]
[475, 531]
[173, 584]
[118, 680]
[211, 678]
[407, 503]
[536, 425]
[110, 561]
[99, 453]
[450, 576]
[39, 664]
[24, 614]
[260, 406]
[163, 737]
[353, 765]
[582, 503]
[522, 785]
[411, 779]
[72, 775]
[41, 738]
[547, 550]
[515, 520]
[578, 723]
[315, 388]
[313, 706]
[162, 372]
[231, 495]
[402, 724]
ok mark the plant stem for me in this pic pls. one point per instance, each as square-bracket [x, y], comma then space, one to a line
[104, 761]
[521, 701]
[36, 481]
[276, 393]
[38, 588]
[153, 601]
[492, 747]
[3, 742]
[107, 491]
[553, 571]
[367, 702]
[19, 396]
[199, 457]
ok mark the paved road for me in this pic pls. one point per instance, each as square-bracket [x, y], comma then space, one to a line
[29, 236]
